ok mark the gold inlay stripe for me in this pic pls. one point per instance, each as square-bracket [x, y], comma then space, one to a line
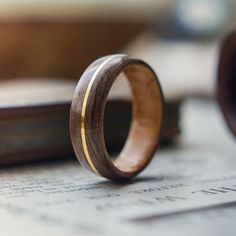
[84, 106]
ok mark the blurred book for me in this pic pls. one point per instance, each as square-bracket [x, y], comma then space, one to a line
[34, 120]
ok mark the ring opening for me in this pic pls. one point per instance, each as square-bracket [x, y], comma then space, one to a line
[117, 115]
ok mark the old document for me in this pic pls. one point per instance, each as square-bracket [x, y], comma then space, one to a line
[186, 190]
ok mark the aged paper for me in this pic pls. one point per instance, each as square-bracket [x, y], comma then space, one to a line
[188, 190]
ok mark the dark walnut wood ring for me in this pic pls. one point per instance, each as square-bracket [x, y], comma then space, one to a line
[87, 117]
[227, 81]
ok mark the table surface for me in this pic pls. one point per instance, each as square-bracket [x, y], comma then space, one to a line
[189, 189]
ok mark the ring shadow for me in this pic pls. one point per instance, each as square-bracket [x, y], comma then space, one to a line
[115, 184]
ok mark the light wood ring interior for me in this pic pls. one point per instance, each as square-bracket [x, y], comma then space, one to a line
[147, 116]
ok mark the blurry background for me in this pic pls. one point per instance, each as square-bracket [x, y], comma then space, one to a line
[60, 38]
[46, 45]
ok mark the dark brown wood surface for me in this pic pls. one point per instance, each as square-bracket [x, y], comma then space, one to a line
[147, 117]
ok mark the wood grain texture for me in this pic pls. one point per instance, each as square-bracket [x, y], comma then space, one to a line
[146, 124]
[226, 89]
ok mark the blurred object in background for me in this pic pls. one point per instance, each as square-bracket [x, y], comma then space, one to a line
[195, 19]
[227, 81]
[60, 38]
[202, 18]
[34, 120]
[34, 116]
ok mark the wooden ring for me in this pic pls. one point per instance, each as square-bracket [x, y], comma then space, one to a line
[87, 117]
[226, 89]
